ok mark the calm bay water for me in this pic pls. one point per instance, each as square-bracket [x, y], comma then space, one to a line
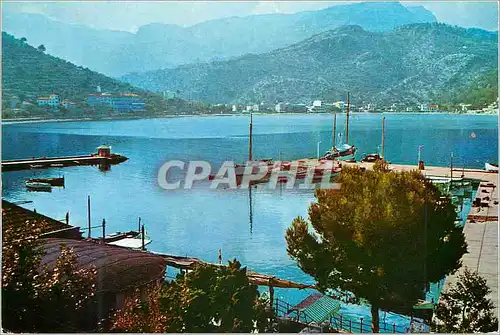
[199, 221]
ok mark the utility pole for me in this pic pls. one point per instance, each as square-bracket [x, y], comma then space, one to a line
[88, 213]
[103, 231]
[143, 237]
[250, 139]
[334, 137]
[347, 121]
[383, 135]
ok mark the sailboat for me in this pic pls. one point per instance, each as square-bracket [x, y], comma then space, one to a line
[345, 149]
[240, 168]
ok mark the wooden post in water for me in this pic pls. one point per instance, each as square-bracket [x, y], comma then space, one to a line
[143, 237]
[250, 139]
[67, 218]
[347, 121]
[88, 213]
[271, 293]
[103, 231]
[383, 136]
[451, 170]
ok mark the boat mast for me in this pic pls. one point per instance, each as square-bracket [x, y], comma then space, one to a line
[250, 139]
[347, 121]
[383, 136]
[334, 138]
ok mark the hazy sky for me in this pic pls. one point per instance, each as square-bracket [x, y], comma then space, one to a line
[129, 16]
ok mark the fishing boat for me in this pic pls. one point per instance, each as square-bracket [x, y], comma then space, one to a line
[36, 186]
[345, 149]
[490, 167]
[342, 151]
[59, 181]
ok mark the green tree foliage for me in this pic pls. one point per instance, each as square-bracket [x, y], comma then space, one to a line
[41, 48]
[37, 299]
[207, 299]
[214, 299]
[370, 239]
[465, 307]
[139, 316]
[23, 39]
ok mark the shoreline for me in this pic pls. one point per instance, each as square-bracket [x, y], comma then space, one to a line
[122, 118]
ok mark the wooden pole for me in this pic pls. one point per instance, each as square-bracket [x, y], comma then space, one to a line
[383, 136]
[334, 137]
[88, 213]
[103, 230]
[347, 121]
[250, 139]
[451, 169]
[139, 229]
[67, 218]
[143, 237]
[271, 294]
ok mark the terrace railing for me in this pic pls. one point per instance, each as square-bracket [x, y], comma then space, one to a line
[336, 321]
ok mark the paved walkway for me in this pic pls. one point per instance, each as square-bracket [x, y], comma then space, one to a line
[482, 256]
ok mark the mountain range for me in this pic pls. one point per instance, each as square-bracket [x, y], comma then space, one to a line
[411, 63]
[156, 46]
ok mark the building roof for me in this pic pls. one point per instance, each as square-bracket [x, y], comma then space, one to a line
[318, 307]
[118, 269]
[17, 215]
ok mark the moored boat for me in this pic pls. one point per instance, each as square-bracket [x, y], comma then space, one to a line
[490, 167]
[344, 150]
[370, 158]
[58, 181]
[37, 186]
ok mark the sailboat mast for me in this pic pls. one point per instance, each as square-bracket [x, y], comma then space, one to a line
[250, 139]
[347, 121]
[334, 138]
[383, 136]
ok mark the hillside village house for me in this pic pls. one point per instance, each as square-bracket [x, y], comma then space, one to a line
[120, 103]
[428, 108]
[68, 104]
[52, 100]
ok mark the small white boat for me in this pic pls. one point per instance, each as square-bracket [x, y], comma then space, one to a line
[130, 242]
[491, 167]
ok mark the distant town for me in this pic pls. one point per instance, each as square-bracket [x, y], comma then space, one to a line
[53, 105]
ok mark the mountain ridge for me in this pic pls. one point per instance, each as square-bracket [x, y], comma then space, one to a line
[380, 66]
[156, 46]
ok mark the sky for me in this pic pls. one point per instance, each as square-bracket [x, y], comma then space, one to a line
[128, 16]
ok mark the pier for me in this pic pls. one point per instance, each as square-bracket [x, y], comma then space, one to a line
[104, 157]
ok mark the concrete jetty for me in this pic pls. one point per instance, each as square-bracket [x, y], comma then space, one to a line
[103, 157]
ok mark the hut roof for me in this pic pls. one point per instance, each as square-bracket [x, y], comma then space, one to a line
[16, 215]
[119, 269]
